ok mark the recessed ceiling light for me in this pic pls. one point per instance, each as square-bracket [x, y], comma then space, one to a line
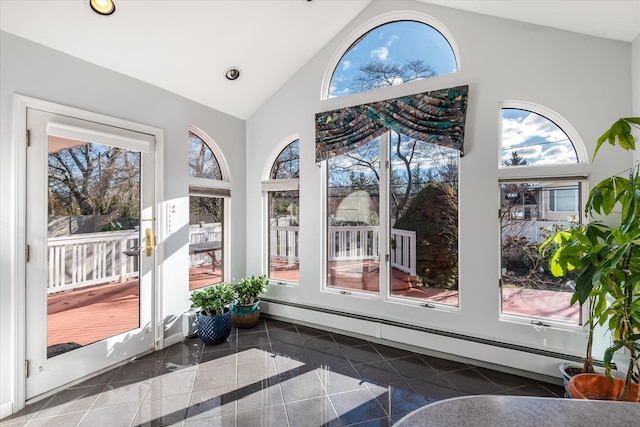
[102, 7]
[232, 73]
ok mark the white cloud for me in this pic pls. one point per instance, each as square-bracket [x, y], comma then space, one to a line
[391, 40]
[346, 65]
[381, 53]
[536, 139]
[519, 131]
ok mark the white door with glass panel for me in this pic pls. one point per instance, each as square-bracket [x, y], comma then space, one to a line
[90, 227]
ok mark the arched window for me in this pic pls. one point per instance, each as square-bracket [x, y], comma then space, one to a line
[536, 199]
[202, 161]
[208, 190]
[531, 139]
[283, 202]
[390, 54]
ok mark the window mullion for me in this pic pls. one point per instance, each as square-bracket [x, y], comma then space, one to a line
[383, 231]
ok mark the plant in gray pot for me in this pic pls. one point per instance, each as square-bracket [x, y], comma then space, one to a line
[214, 319]
[245, 310]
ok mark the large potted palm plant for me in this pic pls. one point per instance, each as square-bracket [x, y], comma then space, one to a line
[214, 318]
[605, 256]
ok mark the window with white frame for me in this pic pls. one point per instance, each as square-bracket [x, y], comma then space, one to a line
[208, 191]
[392, 195]
[283, 222]
[391, 54]
[534, 203]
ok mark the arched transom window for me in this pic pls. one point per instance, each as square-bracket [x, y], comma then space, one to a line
[391, 54]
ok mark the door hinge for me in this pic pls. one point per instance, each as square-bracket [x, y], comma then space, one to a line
[26, 369]
[26, 253]
[28, 137]
[386, 164]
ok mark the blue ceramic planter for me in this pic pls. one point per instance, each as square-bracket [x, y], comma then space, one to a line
[214, 329]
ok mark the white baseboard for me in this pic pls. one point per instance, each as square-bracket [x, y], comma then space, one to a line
[173, 339]
[6, 409]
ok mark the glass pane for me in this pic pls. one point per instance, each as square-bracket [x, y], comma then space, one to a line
[527, 219]
[287, 163]
[284, 214]
[354, 219]
[93, 237]
[205, 241]
[392, 54]
[202, 161]
[424, 221]
[530, 139]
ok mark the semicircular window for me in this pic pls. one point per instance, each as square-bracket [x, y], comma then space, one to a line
[392, 54]
[202, 161]
[530, 139]
[286, 165]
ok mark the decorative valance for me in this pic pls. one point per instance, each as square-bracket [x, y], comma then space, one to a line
[436, 116]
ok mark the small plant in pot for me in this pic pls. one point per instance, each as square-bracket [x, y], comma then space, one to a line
[245, 310]
[606, 259]
[214, 319]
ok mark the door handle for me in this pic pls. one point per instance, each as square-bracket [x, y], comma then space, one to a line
[150, 241]
[150, 238]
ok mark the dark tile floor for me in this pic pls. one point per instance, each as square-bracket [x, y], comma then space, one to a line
[274, 374]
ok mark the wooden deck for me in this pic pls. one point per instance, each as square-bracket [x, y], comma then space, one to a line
[79, 316]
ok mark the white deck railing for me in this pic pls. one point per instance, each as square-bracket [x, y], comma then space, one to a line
[89, 259]
[95, 258]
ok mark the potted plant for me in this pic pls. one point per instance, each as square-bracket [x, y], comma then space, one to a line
[606, 259]
[245, 310]
[214, 319]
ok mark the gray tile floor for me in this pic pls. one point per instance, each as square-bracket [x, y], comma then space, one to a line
[274, 374]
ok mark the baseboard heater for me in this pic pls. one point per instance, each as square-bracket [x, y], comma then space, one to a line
[433, 331]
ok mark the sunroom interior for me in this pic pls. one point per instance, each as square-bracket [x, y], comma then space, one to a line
[391, 166]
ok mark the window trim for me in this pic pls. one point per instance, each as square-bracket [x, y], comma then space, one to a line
[385, 18]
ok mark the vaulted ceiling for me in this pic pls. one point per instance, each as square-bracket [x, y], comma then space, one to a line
[185, 46]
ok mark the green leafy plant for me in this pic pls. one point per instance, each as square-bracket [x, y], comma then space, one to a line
[249, 289]
[606, 257]
[212, 300]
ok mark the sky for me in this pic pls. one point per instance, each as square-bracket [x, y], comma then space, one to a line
[535, 138]
[395, 42]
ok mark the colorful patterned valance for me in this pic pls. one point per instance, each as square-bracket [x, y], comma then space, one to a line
[437, 117]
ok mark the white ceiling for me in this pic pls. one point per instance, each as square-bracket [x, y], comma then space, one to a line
[185, 46]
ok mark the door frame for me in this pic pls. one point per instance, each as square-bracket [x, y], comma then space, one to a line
[18, 304]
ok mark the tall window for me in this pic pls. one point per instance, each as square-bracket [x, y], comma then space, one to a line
[207, 194]
[391, 54]
[533, 206]
[284, 213]
[420, 190]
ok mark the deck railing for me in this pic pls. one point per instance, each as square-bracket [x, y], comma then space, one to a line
[95, 258]
[90, 259]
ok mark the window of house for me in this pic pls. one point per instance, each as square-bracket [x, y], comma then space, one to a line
[563, 200]
[532, 207]
[392, 196]
[391, 54]
[531, 139]
[208, 192]
[283, 203]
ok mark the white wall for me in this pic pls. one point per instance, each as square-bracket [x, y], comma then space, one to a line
[584, 79]
[33, 70]
[635, 82]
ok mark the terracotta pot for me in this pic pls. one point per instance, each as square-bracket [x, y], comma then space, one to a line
[599, 387]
